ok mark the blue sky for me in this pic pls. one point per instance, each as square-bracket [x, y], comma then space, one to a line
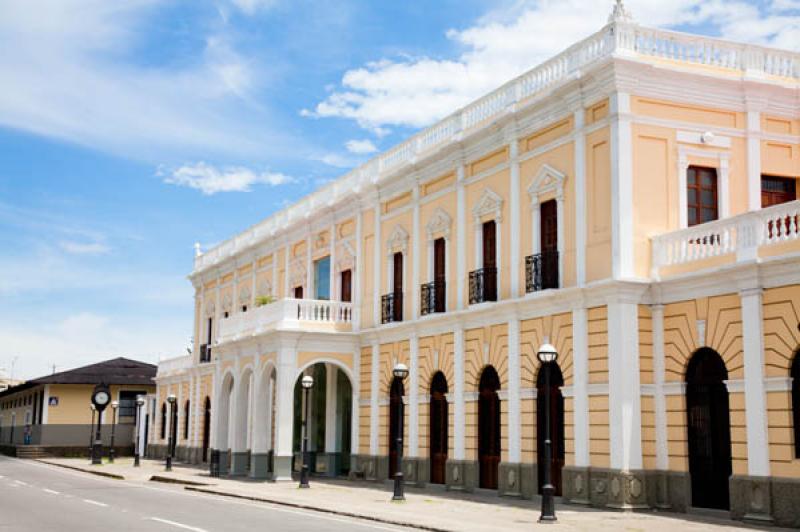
[131, 129]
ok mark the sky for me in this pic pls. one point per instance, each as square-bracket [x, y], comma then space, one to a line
[129, 130]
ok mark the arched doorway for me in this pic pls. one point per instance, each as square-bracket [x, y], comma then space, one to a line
[438, 428]
[795, 375]
[206, 427]
[709, 429]
[489, 428]
[556, 424]
[225, 410]
[395, 400]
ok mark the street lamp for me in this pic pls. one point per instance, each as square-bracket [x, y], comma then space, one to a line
[139, 405]
[400, 371]
[101, 396]
[114, 406]
[171, 399]
[547, 354]
[307, 383]
[91, 428]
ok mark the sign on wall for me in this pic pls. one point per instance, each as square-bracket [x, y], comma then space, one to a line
[52, 401]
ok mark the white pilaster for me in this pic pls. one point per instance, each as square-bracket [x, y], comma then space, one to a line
[355, 415]
[333, 294]
[514, 207]
[458, 407]
[753, 160]
[662, 452]
[376, 270]
[621, 187]
[308, 292]
[413, 398]
[253, 288]
[580, 362]
[514, 383]
[415, 237]
[216, 401]
[624, 408]
[461, 237]
[331, 443]
[755, 400]
[286, 287]
[284, 424]
[373, 400]
[580, 198]
[356, 281]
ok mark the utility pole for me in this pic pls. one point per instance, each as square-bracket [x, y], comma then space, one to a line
[13, 363]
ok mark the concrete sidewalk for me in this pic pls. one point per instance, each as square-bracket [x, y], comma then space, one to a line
[430, 509]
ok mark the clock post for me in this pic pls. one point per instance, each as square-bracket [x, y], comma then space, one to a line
[101, 396]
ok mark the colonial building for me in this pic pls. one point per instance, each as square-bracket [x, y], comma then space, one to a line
[632, 201]
[53, 415]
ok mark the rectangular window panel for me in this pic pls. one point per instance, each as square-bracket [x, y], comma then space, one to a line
[322, 278]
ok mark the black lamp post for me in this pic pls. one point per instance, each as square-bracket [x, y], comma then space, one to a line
[114, 406]
[307, 383]
[400, 371]
[91, 428]
[171, 399]
[101, 396]
[547, 355]
[139, 405]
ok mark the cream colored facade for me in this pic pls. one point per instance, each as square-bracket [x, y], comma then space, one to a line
[613, 130]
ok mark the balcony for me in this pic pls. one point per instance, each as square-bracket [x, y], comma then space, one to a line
[392, 307]
[205, 353]
[310, 315]
[433, 297]
[541, 271]
[483, 285]
[750, 236]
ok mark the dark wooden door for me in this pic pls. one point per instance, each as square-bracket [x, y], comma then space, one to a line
[439, 274]
[206, 428]
[395, 403]
[701, 194]
[709, 431]
[556, 426]
[397, 287]
[298, 292]
[347, 285]
[490, 261]
[777, 190]
[548, 229]
[438, 428]
[489, 428]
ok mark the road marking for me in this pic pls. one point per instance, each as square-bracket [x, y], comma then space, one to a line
[22, 483]
[175, 524]
[53, 492]
[96, 503]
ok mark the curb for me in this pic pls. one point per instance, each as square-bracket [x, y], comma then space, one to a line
[106, 474]
[170, 480]
[354, 515]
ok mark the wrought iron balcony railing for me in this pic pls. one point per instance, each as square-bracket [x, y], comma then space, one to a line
[541, 271]
[483, 285]
[392, 307]
[433, 296]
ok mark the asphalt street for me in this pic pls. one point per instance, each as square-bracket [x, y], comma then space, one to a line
[40, 498]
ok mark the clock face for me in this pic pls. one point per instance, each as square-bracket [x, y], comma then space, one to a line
[101, 398]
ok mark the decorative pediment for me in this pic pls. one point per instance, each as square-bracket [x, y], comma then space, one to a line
[345, 258]
[297, 275]
[244, 295]
[227, 302]
[440, 222]
[210, 309]
[398, 240]
[547, 180]
[490, 203]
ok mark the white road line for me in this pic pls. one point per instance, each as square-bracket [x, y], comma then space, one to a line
[53, 492]
[96, 503]
[175, 524]
[22, 483]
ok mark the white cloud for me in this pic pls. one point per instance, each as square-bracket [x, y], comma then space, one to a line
[84, 248]
[337, 160]
[360, 147]
[211, 180]
[417, 91]
[251, 7]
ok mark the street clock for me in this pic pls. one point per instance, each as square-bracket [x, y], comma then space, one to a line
[101, 396]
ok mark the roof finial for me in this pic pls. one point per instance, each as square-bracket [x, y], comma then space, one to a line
[197, 250]
[620, 13]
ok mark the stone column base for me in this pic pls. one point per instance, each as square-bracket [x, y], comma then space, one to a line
[282, 468]
[259, 466]
[461, 475]
[328, 464]
[509, 479]
[605, 488]
[751, 499]
[575, 485]
[240, 463]
[627, 490]
[223, 462]
[416, 471]
[785, 494]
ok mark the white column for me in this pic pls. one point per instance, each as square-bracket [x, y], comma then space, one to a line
[753, 160]
[459, 417]
[356, 278]
[179, 418]
[580, 197]
[580, 362]
[286, 287]
[624, 409]
[514, 418]
[284, 424]
[413, 398]
[334, 294]
[308, 293]
[331, 443]
[662, 451]
[621, 187]
[355, 415]
[514, 204]
[755, 399]
[216, 407]
[254, 270]
[376, 270]
[255, 413]
[374, 396]
[461, 237]
[415, 237]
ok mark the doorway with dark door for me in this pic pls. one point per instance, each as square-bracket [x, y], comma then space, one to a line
[490, 261]
[397, 286]
[395, 400]
[709, 430]
[775, 191]
[488, 428]
[438, 428]
[556, 424]
[346, 282]
[206, 427]
[298, 292]
[548, 233]
[439, 275]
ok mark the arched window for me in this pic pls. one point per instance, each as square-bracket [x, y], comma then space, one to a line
[186, 420]
[163, 420]
[795, 374]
